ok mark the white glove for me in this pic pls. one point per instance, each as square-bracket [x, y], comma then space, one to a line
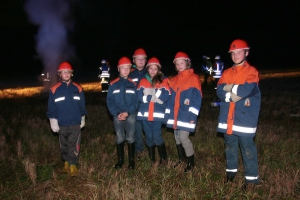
[54, 125]
[234, 97]
[82, 121]
[228, 87]
[149, 91]
[157, 100]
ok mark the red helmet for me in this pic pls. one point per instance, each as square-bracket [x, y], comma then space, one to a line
[139, 52]
[181, 55]
[124, 61]
[154, 61]
[238, 44]
[65, 66]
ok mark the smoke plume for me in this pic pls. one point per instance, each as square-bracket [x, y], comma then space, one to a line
[55, 23]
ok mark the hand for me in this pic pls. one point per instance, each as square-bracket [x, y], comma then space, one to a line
[228, 87]
[122, 116]
[149, 91]
[54, 125]
[82, 121]
[234, 97]
[157, 100]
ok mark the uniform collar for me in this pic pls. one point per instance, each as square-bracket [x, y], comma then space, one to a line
[186, 72]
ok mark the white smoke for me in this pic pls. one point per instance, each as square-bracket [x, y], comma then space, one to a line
[55, 23]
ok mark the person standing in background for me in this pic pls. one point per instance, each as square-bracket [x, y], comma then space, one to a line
[239, 111]
[138, 72]
[66, 112]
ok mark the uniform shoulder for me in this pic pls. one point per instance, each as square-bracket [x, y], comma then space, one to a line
[78, 86]
[54, 87]
[114, 81]
[130, 80]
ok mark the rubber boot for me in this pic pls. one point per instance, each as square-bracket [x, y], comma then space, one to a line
[66, 168]
[229, 179]
[181, 155]
[190, 163]
[152, 154]
[73, 170]
[162, 154]
[131, 149]
[120, 152]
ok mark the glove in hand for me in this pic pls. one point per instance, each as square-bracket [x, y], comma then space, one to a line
[82, 121]
[157, 100]
[54, 125]
[228, 87]
[234, 97]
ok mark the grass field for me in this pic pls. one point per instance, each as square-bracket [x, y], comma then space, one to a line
[31, 165]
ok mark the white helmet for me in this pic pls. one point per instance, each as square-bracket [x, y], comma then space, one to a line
[103, 61]
[217, 57]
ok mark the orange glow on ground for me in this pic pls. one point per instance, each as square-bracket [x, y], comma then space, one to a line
[96, 86]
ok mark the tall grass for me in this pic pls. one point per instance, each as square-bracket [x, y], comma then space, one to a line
[31, 166]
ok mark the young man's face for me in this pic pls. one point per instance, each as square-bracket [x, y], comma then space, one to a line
[65, 75]
[239, 56]
[124, 70]
[181, 65]
[152, 70]
[140, 62]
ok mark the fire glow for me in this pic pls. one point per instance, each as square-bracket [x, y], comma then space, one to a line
[96, 86]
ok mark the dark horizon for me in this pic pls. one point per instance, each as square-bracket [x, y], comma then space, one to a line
[112, 29]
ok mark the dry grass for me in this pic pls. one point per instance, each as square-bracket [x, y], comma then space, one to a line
[31, 167]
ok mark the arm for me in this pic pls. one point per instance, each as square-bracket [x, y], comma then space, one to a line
[195, 105]
[110, 102]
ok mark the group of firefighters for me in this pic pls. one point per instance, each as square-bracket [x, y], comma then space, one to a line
[142, 99]
[210, 69]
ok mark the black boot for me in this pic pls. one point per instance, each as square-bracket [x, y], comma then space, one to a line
[120, 152]
[229, 179]
[181, 154]
[162, 154]
[190, 163]
[131, 149]
[152, 154]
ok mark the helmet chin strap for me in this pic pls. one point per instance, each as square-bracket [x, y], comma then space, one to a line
[237, 64]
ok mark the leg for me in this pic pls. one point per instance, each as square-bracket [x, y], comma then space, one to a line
[159, 142]
[147, 126]
[231, 145]
[74, 144]
[120, 137]
[250, 161]
[139, 142]
[181, 154]
[63, 143]
[130, 129]
[188, 148]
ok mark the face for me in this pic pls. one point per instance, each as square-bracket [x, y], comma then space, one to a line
[152, 70]
[238, 56]
[181, 65]
[140, 62]
[65, 75]
[124, 70]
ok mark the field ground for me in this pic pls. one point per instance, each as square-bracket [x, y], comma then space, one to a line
[31, 166]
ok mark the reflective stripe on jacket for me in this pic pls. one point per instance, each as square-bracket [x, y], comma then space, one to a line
[122, 97]
[185, 103]
[239, 118]
[153, 111]
[66, 103]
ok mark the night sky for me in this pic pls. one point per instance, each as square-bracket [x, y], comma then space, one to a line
[112, 29]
